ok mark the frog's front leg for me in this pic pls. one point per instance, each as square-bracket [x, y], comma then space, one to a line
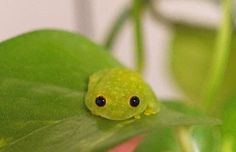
[152, 108]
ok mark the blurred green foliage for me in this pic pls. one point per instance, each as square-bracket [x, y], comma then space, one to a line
[191, 53]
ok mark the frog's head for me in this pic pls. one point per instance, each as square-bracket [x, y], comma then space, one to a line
[117, 94]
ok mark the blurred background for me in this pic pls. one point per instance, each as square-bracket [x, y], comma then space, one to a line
[94, 18]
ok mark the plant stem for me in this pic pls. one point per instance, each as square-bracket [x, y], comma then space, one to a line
[116, 27]
[221, 55]
[184, 138]
[139, 47]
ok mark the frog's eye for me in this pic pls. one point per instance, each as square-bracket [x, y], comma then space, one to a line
[134, 101]
[100, 101]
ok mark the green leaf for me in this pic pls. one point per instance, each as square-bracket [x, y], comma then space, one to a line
[181, 106]
[203, 137]
[219, 138]
[86, 132]
[43, 80]
[162, 140]
[207, 138]
[192, 49]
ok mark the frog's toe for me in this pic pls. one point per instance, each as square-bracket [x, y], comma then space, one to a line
[149, 111]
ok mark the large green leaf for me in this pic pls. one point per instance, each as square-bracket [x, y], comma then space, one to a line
[86, 132]
[192, 49]
[43, 80]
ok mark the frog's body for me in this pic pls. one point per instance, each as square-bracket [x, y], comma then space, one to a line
[119, 94]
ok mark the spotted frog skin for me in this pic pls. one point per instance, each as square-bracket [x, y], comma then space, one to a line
[119, 94]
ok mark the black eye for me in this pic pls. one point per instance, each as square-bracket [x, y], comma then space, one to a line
[100, 101]
[134, 101]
